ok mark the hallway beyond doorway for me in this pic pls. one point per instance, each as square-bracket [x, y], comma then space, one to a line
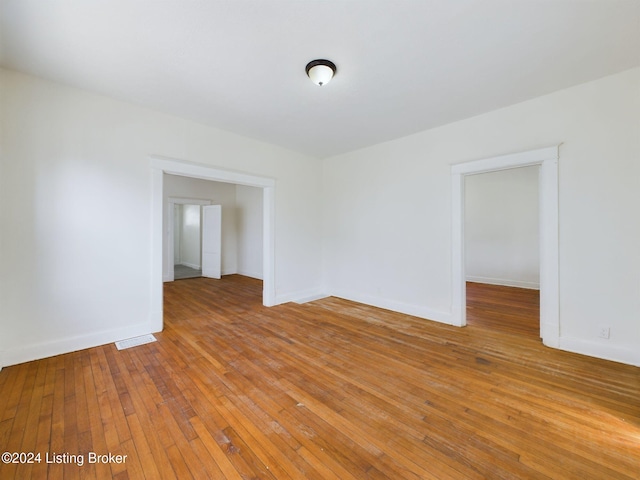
[182, 271]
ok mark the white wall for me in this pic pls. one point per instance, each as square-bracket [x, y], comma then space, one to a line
[501, 228]
[387, 211]
[190, 241]
[75, 262]
[177, 235]
[250, 230]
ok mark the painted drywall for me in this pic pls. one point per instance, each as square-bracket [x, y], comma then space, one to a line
[387, 211]
[218, 193]
[250, 230]
[501, 228]
[190, 241]
[75, 262]
[177, 235]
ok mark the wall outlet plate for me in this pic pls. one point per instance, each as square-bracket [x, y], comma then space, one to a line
[604, 331]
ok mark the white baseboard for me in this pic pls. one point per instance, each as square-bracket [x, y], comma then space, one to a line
[250, 273]
[600, 350]
[419, 311]
[61, 346]
[597, 349]
[300, 297]
[504, 282]
[191, 265]
[311, 298]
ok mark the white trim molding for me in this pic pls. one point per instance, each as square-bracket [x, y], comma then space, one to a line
[547, 158]
[301, 296]
[160, 166]
[600, 350]
[395, 306]
[507, 282]
[40, 350]
[249, 273]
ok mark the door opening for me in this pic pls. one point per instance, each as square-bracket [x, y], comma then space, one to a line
[162, 165]
[501, 242]
[547, 158]
[187, 252]
[183, 238]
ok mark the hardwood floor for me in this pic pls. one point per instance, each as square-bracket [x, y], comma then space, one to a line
[507, 309]
[329, 389]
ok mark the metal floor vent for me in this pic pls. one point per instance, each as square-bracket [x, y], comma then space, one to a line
[135, 341]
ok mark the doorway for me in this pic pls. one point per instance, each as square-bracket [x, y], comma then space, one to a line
[502, 261]
[162, 165]
[187, 241]
[547, 159]
[184, 238]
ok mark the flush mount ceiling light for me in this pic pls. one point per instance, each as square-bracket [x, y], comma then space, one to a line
[321, 71]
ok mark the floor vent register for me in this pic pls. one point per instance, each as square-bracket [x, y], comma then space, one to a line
[135, 341]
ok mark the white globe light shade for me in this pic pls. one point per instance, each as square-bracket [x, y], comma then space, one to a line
[320, 71]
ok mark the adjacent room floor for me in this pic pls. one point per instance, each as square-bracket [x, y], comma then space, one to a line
[504, 309]
[180, 272]
[326, 390]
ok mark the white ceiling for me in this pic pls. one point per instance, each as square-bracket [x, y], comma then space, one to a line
[403, 65]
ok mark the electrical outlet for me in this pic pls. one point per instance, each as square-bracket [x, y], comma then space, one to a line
[604, 331]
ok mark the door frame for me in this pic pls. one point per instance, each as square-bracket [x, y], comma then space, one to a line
[171, 203]
[547, 158]
[161, 165]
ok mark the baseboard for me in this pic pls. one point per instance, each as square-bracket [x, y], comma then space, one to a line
[300, 297]
[400, 307]
[504, 282]
[191, 265]
[311, 298]
[251, 274]
[67, 345]
[601, 350]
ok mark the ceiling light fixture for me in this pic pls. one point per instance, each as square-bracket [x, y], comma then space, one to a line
[321, 71]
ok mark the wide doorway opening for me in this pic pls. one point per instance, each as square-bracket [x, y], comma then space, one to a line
[264, 187]
[547, 160]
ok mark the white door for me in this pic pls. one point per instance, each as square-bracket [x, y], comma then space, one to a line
[211, 241]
